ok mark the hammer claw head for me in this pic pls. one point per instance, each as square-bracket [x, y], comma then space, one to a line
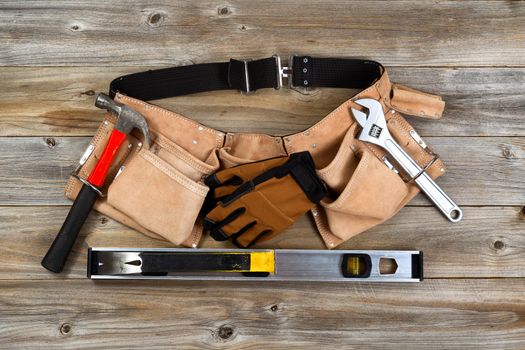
[127, 118]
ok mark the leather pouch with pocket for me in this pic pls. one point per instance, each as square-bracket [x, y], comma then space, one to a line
[364, 191]
[157, 191]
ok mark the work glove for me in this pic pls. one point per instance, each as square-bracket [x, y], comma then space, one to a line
[224, 182]
[251, 209]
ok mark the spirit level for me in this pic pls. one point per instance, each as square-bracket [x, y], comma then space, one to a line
[260, 264]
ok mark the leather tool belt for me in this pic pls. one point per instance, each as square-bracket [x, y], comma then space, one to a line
[159, 191]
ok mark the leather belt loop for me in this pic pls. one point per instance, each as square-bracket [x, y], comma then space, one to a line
[239, 75]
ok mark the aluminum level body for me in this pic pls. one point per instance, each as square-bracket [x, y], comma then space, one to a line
[290, 265]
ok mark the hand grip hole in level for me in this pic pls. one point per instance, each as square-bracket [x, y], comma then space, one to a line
[387, 266]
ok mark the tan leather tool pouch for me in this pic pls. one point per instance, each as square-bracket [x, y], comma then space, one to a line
[157, 191]
[364, 190]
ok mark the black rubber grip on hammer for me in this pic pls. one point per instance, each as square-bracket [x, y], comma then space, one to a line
[58, 252]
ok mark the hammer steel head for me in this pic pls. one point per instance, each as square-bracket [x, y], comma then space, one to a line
[374, 123]
[127, 118]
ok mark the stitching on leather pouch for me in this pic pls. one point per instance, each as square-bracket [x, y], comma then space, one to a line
[334, 165]
[349, 187]
[254, 136]
[234, 160]
[194, 187]
[69, 186]
[404, 126]
[183, 156]
[168, 113]
[338, 109]
[410, 112]
[196, 233]
[323, 231]
[340, 155]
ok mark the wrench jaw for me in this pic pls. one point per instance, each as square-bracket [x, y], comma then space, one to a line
[374, 125]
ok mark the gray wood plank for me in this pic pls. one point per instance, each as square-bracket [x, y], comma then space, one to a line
[414, 33]
[488, 243]
[482, 170]
[438, 314]
[59, 101]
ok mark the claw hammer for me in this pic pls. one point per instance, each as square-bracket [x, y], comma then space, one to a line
[127, 119]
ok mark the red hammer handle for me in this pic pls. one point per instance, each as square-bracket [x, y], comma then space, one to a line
[99, 173]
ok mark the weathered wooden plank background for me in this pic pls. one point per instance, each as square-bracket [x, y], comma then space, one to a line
[54, 57]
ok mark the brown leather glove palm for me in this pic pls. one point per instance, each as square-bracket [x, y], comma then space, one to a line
[266, 204]
[224, 182]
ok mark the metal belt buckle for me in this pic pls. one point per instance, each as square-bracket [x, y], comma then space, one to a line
[284, 72]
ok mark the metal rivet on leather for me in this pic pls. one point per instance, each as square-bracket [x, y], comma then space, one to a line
[314, 145]
[201, 128]
[194, 142]
[106, 122]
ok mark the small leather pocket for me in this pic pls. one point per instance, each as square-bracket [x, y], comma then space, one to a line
[372, 194]
[416, 103]
[228, 160]
[157, 195]
[246, 148]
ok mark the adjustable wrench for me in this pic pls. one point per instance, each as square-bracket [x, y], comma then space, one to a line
[375, 131]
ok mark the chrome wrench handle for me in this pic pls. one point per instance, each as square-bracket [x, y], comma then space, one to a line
[446, 205]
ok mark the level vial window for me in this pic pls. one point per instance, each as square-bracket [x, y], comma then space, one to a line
[356, 265]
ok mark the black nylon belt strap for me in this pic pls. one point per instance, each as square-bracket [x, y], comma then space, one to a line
[247, 76]
[335, 72]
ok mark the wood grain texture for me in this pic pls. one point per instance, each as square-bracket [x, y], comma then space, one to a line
[35, 169]
[438, 314]
[56, 55]
[59, 101]
[487, 243]
[102, 33]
